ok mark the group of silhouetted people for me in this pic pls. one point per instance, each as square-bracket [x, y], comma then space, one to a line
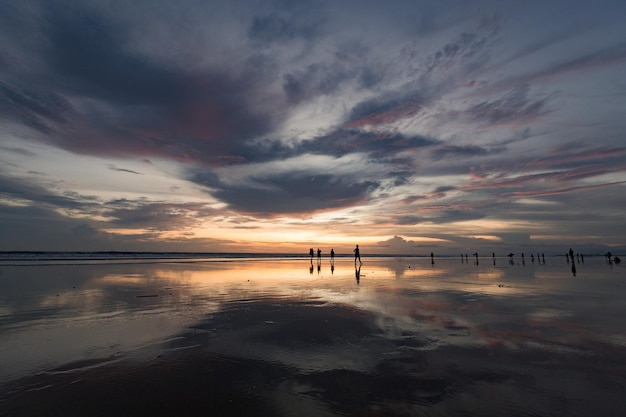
[319, 255]
[357, 255]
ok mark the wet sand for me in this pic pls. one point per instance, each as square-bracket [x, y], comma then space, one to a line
[273, 337]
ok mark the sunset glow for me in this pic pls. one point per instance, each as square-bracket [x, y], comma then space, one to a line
[407, 128]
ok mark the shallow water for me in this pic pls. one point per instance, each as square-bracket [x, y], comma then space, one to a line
[400, 336]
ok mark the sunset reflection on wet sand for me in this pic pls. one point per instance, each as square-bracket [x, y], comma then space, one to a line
[400, 336]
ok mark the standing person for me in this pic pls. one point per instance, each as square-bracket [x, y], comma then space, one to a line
[332, 255]
[311, 253]
[319, 255]
[357, 254]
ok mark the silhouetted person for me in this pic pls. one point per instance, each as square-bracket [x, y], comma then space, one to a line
[578, 258]
[582, 258]
[461, 258]
[617, 260]
[432, 259]
[476, 255]
[357, 255]
[571, 254]
[543, 258]
[332, 255]
[319, 254]
[311, 253]
[532, 258]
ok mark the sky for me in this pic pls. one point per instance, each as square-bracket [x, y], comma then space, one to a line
[406, 127]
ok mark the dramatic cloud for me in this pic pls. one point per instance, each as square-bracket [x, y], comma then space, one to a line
[157, 125]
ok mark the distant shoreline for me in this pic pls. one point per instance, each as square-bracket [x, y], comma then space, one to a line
[36, 256]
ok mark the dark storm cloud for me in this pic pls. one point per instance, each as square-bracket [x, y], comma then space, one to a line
[350, 63]
[23, 191]
[515, 106]
[464, 46]
[90, 52]
[340, 142]
[296, 193]
[140, 104]
[315, 80]
[156, 216]
[446, 151]
[39, 110]
[385, 110]
[285, 26]
[376, 144]
[610, 55]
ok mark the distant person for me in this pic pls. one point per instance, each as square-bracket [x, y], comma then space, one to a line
[332, 255]
[319, 255]
[357, 254]
[311, 253]
[571, 254]
[432, 258]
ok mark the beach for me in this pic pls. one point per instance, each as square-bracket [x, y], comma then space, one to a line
[395, 336]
